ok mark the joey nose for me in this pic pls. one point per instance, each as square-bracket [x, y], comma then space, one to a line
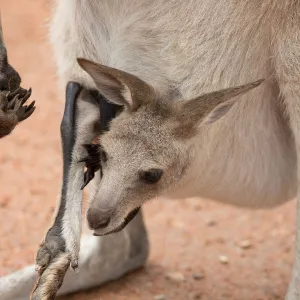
[98, 219]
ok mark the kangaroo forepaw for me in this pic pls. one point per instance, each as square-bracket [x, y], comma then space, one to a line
[13, 110]
[16, 101]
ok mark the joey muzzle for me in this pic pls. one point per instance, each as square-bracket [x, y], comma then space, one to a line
[98, 221]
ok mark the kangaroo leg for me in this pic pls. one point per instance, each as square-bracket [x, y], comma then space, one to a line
[61, 245]
[101, 259]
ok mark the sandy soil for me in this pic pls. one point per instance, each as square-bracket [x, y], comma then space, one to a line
[187, 237]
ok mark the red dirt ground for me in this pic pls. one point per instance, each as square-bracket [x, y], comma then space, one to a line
[187, 237]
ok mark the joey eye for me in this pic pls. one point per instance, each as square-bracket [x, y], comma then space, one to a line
[151, 176]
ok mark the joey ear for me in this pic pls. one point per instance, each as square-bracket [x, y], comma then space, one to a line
[210, 107]
[117, 86]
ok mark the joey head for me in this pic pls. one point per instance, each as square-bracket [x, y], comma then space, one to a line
[148, 149]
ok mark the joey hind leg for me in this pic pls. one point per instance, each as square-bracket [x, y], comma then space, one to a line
[54, 243]
[78, 128]
[58, 250]
[101, 259]
[61, 246]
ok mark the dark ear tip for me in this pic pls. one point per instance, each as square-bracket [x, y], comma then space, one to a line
[81, 61]
[87, 65]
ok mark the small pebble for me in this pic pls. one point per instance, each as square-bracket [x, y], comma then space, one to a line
[198, 276]
[4, 201]
[160, 297]
[176, 276]
[211, 223]
[223, 259]
[197, 296]
[245, 244]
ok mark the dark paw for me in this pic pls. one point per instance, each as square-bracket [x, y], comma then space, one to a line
[53, 246]
[16, 104]
[13, 110]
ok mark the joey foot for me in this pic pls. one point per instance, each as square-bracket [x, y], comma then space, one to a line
[13, 110]
[52, 263]
[50, 281]
[51, 248]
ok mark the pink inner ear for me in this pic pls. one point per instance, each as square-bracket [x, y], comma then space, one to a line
[218, 112]
[108, 84]
[126, 93]
[118, 86]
